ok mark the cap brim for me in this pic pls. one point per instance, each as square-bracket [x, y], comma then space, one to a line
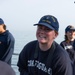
[73, 29]
[45, 24]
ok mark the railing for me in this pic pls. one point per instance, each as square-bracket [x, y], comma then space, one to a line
[14, 62]
[14, 54]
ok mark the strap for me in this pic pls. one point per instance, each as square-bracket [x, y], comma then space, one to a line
[35, 58]
[50, 55]
[36, 52]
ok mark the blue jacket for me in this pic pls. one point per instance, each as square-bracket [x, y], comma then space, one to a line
[60, 63]
[6, 46]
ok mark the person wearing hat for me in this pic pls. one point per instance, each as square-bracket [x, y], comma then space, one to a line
[69, 43]
[44, 56]
[6, 43]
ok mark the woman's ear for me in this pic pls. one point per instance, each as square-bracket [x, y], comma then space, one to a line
[56, 34]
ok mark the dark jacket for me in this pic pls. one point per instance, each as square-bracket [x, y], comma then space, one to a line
[70, 48]
[60, 63]
[7, 46]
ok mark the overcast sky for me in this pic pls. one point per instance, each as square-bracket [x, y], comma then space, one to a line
[22, 14]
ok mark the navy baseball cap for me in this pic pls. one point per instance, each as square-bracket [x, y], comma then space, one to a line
[49, 21]
[1, 21]
[69, 28]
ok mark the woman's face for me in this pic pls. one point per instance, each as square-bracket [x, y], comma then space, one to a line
[45, 35]
[71, 35]
[1, 28]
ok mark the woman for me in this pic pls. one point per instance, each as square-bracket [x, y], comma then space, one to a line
[69, 43]
[44, 56]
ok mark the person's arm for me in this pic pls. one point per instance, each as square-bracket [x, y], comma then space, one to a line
[63, 68]
[23, 72]
[22, 62]
[8, 55]
[61, 44]
[62, 64]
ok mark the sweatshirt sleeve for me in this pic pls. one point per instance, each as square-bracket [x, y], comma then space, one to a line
[10, 42]
[62, 64]
[22, 62]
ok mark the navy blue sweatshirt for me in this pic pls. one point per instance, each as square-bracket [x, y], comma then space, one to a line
[60, 63]
[6, 46]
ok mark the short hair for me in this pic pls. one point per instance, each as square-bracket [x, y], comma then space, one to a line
[4, 26]
[66, 38]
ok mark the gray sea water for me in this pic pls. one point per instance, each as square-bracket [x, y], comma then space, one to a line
[22, 37]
